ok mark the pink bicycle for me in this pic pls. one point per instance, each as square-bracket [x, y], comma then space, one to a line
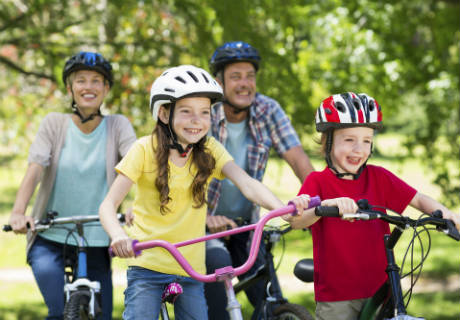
[225, 274]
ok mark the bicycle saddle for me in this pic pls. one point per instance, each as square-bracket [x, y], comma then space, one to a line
[303, 270]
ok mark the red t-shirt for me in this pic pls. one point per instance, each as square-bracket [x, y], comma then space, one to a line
[349, 257]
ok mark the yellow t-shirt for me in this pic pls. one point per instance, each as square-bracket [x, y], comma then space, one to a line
[182, 222]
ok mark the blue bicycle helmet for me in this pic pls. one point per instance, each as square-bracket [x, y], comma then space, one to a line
[88, 61]
[236, 51]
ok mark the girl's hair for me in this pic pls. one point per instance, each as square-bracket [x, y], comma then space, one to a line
[201, 158]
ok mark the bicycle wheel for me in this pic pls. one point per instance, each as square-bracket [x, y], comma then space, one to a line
[77, 308]
[289, 311]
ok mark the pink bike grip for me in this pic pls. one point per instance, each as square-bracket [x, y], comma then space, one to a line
[314, 202]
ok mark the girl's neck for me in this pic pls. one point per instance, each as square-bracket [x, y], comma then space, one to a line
[176, 158]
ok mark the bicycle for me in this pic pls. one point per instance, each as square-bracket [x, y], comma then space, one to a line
[225, 274]
[274, 305]
[388, 301]
[82, 296]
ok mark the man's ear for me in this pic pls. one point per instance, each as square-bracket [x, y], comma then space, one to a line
[163, 114]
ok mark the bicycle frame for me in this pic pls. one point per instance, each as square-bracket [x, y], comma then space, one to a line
[225, 274]
[79, 282]
[390, 294]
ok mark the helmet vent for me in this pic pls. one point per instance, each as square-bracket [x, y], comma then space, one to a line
[180, 79]
[205, 78]
[371, 105]
[170, 90]
[340, 106]
[192, 76]
[356, 104]
[327, 110]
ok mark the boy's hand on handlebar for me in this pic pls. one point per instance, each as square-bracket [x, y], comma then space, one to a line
[301, 203]
[345, 205]
[219, 223]
[122, 246]
[447, 214]
[21, 223]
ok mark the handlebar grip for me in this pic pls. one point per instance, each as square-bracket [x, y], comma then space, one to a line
[314, 202]
[7, 228]
[323, 211]
[452, 230]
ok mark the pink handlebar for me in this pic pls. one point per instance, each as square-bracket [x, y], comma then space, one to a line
[258, 227]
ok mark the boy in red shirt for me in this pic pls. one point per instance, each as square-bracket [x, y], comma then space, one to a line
[349, 257]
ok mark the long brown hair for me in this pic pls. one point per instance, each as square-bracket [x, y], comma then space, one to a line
[202, 159]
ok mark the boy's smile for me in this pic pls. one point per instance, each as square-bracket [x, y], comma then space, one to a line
[351, 147]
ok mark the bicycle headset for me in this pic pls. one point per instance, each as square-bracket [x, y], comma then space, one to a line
[177, 83]
[87, 61]
[231, 52]
[347, 110]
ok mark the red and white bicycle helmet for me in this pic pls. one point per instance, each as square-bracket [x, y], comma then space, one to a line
[348, 110]
[180, 82]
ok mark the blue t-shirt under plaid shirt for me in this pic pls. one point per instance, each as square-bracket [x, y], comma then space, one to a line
[269, 127]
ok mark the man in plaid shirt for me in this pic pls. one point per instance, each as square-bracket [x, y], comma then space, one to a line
[248, 124]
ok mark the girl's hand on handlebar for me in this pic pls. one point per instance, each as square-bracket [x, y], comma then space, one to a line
[301, 202]
[122, 246]
[345, 205]
[21, 223]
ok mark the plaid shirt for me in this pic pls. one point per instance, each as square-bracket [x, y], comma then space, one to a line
[269, 127]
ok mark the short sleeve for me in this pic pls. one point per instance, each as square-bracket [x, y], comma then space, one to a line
[282, 132]
[221, 156]
[132, 164]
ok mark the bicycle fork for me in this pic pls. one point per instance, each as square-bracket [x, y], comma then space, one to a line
[82, 283]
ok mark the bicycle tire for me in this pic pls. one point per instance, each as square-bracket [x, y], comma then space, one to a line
[290, 311]
[77, 308]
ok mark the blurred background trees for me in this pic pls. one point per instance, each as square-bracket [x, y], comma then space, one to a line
[404, 53]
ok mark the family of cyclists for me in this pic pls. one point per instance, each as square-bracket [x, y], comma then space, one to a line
[200, 171]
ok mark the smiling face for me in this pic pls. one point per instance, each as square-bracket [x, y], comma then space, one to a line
[192, 119]
[88, 89]
[240, 83]
[351, 147]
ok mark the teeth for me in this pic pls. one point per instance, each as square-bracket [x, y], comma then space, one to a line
[89, 95]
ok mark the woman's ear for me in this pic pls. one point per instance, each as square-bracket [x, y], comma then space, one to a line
[163, 114]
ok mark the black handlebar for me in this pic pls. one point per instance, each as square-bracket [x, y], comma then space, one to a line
[365, 212]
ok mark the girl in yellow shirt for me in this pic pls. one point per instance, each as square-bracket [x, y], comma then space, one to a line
[172, 169]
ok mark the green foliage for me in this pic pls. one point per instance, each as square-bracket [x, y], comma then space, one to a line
[404, 53]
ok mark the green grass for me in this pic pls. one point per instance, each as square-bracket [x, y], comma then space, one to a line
[22, 300]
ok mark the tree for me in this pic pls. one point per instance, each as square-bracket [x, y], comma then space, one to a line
[404, 53]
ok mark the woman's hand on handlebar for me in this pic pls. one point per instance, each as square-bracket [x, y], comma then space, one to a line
[122, 246]
[21, 223]
[219, 223]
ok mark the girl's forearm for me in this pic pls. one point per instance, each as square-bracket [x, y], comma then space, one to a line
[108, 217]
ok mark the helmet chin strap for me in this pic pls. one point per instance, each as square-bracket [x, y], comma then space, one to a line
[168, 128]
[82, 118]
[331, 166]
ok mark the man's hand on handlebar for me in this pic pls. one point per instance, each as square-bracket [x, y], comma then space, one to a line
[219, 223]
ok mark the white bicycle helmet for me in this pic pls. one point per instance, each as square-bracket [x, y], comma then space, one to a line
[348, 110]
[180, 82]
